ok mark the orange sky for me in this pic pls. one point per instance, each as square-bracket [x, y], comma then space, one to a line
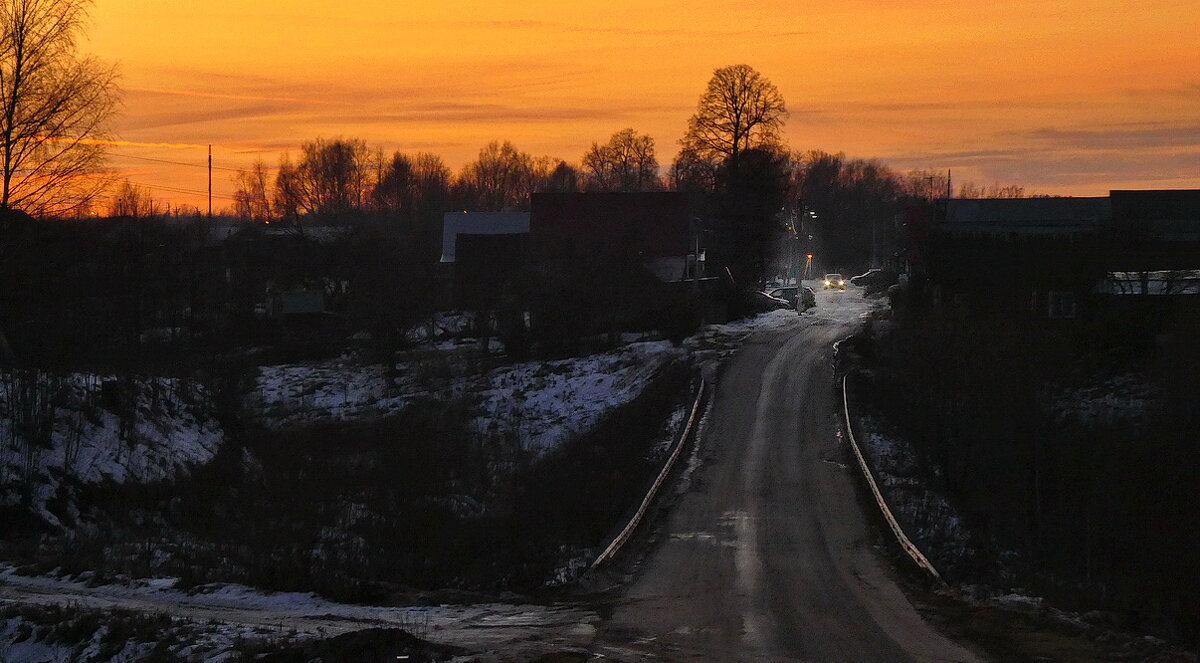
[1070, 97]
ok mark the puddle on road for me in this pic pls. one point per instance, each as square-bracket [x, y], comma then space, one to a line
[731, 524]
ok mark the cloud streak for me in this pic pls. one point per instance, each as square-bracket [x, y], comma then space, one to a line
[218, 95]
[1138, 136]
[625, 30]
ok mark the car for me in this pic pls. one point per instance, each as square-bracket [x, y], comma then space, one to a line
[866, 277]
[875, 280]
[755, 302]
[788, 293]
[833, 281]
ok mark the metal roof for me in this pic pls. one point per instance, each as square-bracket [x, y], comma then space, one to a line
[1029, 216]
[479, 223]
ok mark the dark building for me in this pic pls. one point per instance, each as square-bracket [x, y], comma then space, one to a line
[489, 269]
[1155, 230]
[1153, 259]
[484, 254]
[653, 229]
[1037, 256]
[1060, 257]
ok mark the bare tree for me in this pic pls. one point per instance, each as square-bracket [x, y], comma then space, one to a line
[845, 205]
[54, 108]
[395, 185]
[413, 189]
[431, 182]
[250, 200]
[690, 173]
[31, 400]
[739, 110]
[500, 179]
[972, 190]
[288, 192]
[331, 178]
[626, 163]
[926, 184]
[131, 200]
[562, 178]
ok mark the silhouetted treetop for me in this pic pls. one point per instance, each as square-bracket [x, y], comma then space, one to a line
[739, 110]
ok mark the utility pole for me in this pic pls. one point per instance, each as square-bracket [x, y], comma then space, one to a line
[210, 182]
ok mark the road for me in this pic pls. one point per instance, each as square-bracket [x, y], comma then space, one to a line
[767, 556]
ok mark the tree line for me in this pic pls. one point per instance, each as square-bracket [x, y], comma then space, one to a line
[732, 153]
[56, 107]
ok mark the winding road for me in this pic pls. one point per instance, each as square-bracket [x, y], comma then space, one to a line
[767, 556]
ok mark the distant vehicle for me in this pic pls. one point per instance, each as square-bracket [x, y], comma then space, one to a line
[808, 299]
[788, 293]
[834, 281]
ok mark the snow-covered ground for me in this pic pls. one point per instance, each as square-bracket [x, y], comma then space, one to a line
[1120, 399]
[925, 515]
[288, 395]
[546, 403]
[25, 640]
[715, 343]
[542, 403]
[163, 428]
[230, 611]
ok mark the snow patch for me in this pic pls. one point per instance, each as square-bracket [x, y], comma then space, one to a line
[91, 429]
[1120, 399]
[540, 403]
[924, 514]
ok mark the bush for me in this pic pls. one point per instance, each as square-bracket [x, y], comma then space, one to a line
[1100, 515]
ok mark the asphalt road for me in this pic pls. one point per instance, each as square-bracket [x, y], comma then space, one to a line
[767, 556]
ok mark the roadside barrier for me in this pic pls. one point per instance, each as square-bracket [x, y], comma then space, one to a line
[907, 545]
[627, 532]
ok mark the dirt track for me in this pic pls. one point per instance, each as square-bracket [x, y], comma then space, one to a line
[767, 556]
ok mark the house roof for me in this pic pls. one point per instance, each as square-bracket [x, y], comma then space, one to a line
[1027, 216]
[479, 223]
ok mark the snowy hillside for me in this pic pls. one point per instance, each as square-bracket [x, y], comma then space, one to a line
[542, 403]
[89, 429]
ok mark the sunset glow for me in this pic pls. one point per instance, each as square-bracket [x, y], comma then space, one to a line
[1074, 98]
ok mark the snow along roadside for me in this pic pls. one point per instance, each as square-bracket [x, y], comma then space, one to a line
[907, 545]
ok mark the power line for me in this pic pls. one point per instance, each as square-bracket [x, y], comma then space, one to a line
[177, 163]
[174, 189]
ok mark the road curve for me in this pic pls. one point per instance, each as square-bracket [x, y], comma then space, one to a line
[767, 556]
